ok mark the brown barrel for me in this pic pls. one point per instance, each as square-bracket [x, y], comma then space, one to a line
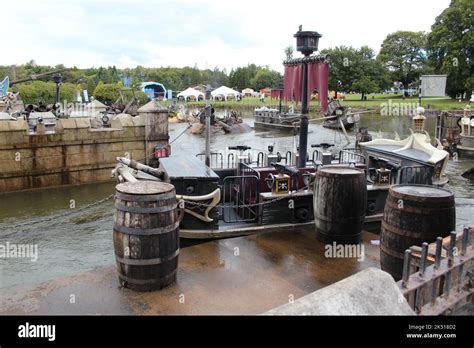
[413, 214]
[146, 235]
[340, 199]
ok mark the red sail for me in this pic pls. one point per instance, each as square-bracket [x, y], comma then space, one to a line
[318, 75]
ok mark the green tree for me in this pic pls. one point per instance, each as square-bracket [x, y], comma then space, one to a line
[40, 91]
[450, 46]
[356, 70]
[266, 78]
[404, 54]
[240, 77]
[107, 92]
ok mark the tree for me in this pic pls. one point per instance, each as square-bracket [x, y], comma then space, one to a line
[288, 52]
[107, 92]
[404, 54]
[450, 46]
[40, 91]
[266, 78]
[357, 70]
[240, 77]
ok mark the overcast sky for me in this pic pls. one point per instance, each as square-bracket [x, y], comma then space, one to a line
[208, 33]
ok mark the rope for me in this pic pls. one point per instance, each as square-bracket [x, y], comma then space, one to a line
[64, 214]
[180, 134]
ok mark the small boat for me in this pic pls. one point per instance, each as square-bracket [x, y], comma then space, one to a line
[266, 118]
[341, 117]
[465, 148]
[417, 159]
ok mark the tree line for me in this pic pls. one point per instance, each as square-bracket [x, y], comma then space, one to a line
[104, 82]
[402, 58]
[405, 55]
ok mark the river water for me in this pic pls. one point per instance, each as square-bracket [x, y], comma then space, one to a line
[70, 241]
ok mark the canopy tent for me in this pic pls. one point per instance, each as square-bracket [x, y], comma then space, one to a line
[154, 89]
[191, 92]
[248, 92]
[224, 91]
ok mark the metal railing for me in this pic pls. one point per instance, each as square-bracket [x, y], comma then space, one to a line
[421, 175]
[350, 156]
[217, 159]
[239, 196]
[442, 287]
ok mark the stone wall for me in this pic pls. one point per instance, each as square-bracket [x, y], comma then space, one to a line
[74, 154]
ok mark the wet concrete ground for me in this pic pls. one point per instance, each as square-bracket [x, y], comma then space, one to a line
[247, 275]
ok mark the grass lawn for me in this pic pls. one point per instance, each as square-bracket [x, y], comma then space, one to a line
[375, 100]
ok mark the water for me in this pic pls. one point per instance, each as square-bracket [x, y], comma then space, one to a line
[78, 242]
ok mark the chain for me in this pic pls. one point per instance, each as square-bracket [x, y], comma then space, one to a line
[66, 213]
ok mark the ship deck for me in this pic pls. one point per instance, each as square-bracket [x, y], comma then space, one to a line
[244, 275]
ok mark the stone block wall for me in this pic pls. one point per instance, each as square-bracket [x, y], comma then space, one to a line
[74, 154]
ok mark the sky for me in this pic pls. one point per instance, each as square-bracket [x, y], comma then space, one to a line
[206, 33]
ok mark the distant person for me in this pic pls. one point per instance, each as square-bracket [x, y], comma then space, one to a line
[262, 98]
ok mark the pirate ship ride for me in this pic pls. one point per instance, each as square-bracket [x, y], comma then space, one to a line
[239, 191]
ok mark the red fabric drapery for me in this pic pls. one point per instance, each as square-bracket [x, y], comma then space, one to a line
[275, 94]
[318, 75]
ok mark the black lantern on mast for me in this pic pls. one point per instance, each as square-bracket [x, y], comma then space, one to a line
[306, 43]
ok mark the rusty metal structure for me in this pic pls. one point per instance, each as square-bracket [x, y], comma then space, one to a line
[445, 285]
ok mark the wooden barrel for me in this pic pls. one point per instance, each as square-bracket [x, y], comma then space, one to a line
[413, 214]
[146, 235]
[340, 199]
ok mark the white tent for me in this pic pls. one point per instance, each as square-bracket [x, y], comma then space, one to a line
[248, 92]
[191, 92]
[224, 91]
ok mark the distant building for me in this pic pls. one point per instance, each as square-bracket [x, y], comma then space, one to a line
[200, 88]
[266, 91]
[247, 92]
[155, 90]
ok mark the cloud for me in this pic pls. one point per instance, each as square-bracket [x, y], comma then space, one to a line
[208, 33]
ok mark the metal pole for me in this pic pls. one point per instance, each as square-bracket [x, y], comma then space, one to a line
[58, 98]
[424, 256]
[304, 119]
[208, 126]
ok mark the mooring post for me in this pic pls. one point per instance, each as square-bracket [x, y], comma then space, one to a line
[156, 129]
